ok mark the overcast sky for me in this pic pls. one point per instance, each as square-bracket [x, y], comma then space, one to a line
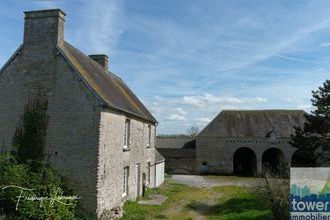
[188, 60]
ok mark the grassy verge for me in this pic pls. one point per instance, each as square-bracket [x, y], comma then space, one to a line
[184, 202]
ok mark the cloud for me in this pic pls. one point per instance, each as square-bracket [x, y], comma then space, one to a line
[179, 111]
[203, 120]
[324, 44]
[100, 26]
[299, 103]
[188, 61]
[201, 101]
[290, 58]
[176, 117]
[177, 114]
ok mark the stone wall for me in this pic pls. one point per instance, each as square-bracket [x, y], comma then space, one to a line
[72, 134]
[179, 161]
[113, 158]
[219, 152]
[179, 153]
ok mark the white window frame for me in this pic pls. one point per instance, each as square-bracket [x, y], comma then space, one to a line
[127, 133]
[125, 181]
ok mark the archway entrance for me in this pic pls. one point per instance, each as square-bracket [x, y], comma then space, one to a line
[245, 162]
[274, 162]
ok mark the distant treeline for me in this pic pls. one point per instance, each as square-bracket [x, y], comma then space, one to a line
[172, 135]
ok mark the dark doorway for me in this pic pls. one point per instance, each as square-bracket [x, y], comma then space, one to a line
[245, 162]
[274, 162]
[144, 184]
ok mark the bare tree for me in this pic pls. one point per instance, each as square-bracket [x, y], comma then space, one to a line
[193, 131]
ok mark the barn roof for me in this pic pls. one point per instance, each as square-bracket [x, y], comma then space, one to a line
[254, 123]
[109, 87]
[175, 143]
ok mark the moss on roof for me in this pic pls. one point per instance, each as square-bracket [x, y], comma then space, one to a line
[254, 123]
[109, 87]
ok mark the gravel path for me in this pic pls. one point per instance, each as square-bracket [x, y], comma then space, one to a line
[154, 199]
[212, 181]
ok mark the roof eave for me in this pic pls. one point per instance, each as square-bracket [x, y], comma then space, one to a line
[154, 122]
[17, 52]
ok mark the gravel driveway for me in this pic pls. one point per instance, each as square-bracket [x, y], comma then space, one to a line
[212, 181]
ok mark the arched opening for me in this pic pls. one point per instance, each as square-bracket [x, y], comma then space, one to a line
[274, 162]
[245, 162]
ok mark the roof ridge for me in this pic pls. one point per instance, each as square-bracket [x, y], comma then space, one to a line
[259, 110]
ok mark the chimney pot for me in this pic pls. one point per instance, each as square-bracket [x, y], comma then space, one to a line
[101, 59]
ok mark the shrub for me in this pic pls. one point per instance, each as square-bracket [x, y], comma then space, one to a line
[276, 192]
[48, 208]
[30, 135]
[25, 167]
[45, 182]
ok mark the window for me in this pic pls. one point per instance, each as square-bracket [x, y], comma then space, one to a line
[127, 133]
[149, 167]
[149, 136]
[204, 167]
[125, 183]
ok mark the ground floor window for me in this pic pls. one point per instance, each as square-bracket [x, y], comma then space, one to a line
[125, 183]
[204, 167]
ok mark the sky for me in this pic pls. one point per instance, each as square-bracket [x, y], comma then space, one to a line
[187, 60]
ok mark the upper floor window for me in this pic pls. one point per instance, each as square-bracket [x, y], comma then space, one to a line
[127, 133]
[149, 136]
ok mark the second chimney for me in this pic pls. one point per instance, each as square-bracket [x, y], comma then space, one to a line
[101, 59]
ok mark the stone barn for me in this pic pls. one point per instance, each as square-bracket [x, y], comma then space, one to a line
[240, 142]
[179, 152]
[245, 142]
[99, 135]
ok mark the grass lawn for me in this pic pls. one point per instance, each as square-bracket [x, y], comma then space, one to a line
[184, 202]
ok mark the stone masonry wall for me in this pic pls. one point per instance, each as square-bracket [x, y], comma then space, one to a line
[113, 159]
[72, 134]
[219, 152]
[179, 161]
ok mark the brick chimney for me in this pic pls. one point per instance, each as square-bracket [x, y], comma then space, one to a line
[44, 28]
[101, 59]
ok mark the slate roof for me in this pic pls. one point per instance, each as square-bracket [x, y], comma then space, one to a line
[175, 143]
[159, 158]
[254, 123]
[109, 87]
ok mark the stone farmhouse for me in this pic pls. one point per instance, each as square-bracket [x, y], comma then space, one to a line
[238, 142]
[100, 135]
